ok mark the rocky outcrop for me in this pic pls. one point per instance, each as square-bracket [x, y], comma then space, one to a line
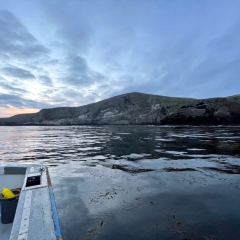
[206, 111]
[138, 108]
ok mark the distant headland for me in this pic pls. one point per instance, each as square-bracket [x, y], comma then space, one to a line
[138, 108]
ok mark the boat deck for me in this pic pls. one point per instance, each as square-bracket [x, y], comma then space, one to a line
[34, 218]
[8, 172]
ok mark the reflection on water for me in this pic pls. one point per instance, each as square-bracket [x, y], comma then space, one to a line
[137, 182]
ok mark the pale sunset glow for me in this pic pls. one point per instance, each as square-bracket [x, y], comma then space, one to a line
[8, 112]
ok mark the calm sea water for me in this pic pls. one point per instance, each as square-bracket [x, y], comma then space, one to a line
[137, 182]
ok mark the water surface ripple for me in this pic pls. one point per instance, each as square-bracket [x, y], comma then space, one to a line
[137, 182]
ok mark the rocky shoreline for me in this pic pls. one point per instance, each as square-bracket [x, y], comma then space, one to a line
[138, 108]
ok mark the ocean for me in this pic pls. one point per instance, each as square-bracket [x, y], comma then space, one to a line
[137, 182]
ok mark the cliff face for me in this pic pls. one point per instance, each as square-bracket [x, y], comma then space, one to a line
[138, 108]
[206, 111]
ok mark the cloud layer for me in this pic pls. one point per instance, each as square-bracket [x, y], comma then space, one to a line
[77, 52]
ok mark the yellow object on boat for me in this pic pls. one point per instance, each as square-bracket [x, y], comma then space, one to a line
[7, 193]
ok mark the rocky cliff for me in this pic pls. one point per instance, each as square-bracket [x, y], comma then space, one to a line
[206, 111]
[138, 108]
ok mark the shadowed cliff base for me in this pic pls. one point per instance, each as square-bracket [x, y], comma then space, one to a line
[138, 108]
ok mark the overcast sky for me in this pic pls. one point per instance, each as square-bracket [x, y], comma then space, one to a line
[74, 52]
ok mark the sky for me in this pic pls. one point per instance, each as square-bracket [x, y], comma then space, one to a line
[75, 52]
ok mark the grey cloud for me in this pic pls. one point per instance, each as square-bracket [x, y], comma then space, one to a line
[15, 72]
[77, 73]
[77, 64]
[12, 90]
[185, 69]
[45, 80]
[160, 72]
[75, 39]
[70, 96]
[219, 69]
[52, 62]
[78, 97]
[74, 34]
[228, 43]
[19, 102]
[16, 42]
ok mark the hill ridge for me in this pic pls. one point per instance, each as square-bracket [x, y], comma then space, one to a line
[138, 108]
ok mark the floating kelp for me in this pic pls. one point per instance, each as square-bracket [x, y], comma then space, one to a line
[171, 169]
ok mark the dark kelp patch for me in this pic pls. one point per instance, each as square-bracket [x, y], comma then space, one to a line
[131, 169]
[170, 169]
[229, 147]
[229, 169]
